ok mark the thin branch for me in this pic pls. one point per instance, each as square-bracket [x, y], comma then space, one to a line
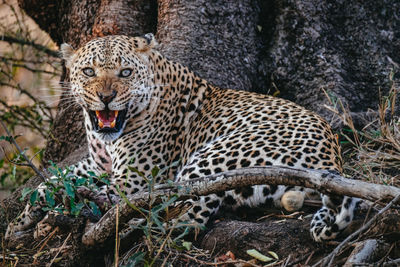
[328, 260]
[34, 70]
[224, 263]
[60, 249]
[322, 181]
[22, 153]
[13, 40]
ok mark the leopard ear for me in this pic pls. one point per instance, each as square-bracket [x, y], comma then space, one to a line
[66, 53]
[145, 43]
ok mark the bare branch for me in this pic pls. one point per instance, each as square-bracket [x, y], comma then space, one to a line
[323, 181]
[29, 162]
[13, 40]
[34, 70]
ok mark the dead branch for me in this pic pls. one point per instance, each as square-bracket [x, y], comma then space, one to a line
[367, 251]
[323, 181]
[28, 161]
[13, 40]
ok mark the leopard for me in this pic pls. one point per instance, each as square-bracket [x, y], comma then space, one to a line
[137, 104]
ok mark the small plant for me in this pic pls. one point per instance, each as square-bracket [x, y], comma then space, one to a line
[61, 192]
[162, 229]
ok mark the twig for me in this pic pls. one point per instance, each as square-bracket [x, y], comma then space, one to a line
[287, 260]
[116, 237]
[165, 259]
[392, 263]
[61, 248]
[12, 40]
[219, 263]
[44, 243]
[328, 260]
[23, 154]
[34, 70]
[309, 258]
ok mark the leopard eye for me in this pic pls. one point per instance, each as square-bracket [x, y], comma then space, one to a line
[88, 72]
[125, 73]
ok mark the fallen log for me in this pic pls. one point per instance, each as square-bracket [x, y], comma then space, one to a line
[323, 181]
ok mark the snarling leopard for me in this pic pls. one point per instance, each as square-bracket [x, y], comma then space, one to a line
[139, 105]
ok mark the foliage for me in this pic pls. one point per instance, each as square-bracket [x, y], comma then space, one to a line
[162, 234]
[61, 191]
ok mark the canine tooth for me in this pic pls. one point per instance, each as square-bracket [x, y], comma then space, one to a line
[97, 113]
[115, 113]
[112, 124]
[101, 124]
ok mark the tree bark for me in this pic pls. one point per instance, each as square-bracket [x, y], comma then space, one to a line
[347, 48]
[220, 40]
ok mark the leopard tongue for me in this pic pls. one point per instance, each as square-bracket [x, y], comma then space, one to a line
[106, 118]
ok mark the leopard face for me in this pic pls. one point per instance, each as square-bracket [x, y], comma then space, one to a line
[112, 80]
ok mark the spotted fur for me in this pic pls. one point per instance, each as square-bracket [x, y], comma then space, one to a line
[172, 114]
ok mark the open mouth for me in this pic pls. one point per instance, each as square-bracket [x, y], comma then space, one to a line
[107, 121]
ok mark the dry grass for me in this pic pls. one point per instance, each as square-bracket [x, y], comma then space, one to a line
[372, 153]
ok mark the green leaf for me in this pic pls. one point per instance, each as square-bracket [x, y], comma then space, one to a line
[53, 171]
[105, 180]
[155, 219]
[273, 254]
[6, 138]
[76, 208]
[187, 245]
[135, 170]
[26, 191]
[255, 254]
[91, 173]
[69, 188]
[155, 171]
[59, 210]
[50, 199]
[95, 208]
[33, 198]
[165, 204]
[130, 204]
[80, 181]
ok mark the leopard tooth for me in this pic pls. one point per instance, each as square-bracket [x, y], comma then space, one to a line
[112, 125]
[101, 124]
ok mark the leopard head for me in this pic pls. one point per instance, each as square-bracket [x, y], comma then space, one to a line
[112, 79]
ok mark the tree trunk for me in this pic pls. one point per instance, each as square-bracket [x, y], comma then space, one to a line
[347, 48]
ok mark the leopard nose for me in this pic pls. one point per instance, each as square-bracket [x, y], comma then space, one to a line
[107, 98]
